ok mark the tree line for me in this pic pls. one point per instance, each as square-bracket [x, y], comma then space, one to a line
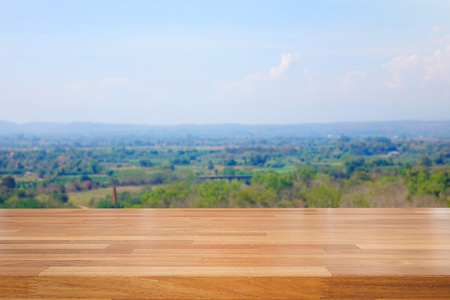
[308, 172]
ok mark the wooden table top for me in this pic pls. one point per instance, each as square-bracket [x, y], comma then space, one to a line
[224, 253]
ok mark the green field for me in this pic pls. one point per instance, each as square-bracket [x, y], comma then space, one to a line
[83, 198]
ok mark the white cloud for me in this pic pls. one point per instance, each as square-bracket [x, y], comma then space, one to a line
[244, 87]
[412, 81]
[353, 81]
[439, 66]
[286, 60]
[317, 84]
[420, 71]
[439, 29]
[275, 72]
[247, 85]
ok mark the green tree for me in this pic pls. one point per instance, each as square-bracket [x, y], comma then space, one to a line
[216, 193]
[23, 202]
[229, 171]
[9, 182]
[425, 161]
[274, 180]
[353, 163]
[440, 159]
[231, 162]
[145, 163]
[359, 200]
[324, 196]
[248, 197]
[258, 160]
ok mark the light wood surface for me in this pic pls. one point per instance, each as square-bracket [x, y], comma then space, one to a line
[225, 254]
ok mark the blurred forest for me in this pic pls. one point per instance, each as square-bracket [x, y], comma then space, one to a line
[286, 171]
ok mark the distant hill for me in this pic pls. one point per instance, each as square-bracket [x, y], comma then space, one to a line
[356, 129]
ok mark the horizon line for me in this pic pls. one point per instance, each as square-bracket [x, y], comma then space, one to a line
[227, 124]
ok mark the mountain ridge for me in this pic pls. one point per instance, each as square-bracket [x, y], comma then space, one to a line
[377, 128]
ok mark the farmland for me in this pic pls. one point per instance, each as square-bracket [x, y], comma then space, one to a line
[289, 172]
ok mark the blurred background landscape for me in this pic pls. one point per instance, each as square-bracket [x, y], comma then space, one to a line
[381, 164]
[316, 103]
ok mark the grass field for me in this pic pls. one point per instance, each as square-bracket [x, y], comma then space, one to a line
[280, 170]
[83, 198]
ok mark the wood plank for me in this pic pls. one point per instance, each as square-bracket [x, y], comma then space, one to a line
[53, 246]
[405, 246]
[390, 287]
[189, 271]
[167, 287]
[225, 254]
[72, 238]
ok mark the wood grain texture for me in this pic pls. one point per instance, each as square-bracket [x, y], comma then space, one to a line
[225, 254]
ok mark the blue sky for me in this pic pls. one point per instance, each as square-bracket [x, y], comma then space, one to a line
[203, 62]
